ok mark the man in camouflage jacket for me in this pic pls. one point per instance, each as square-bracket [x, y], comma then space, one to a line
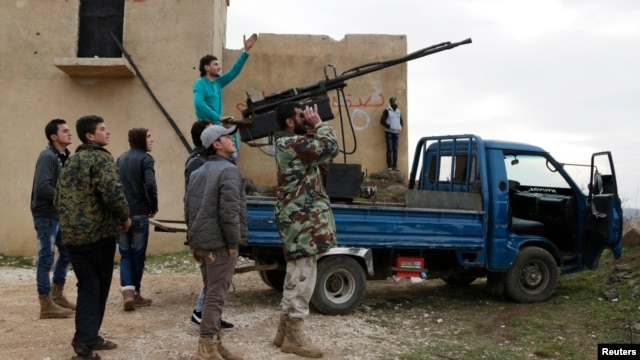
[93, 211]
[303, 216]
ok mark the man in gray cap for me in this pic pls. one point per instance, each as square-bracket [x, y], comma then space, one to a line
[216, 215]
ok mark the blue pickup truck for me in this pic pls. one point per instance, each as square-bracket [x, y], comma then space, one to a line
[474, 208]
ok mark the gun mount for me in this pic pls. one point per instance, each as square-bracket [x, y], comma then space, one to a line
[259, 117]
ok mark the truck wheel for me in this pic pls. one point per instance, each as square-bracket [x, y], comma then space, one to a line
[273, 278]
[340, 285]
[532, 277]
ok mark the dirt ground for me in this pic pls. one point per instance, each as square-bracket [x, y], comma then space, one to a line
[394, 318]
[162, 330]
[397, 320]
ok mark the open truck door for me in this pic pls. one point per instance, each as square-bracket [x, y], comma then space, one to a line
[603, 215]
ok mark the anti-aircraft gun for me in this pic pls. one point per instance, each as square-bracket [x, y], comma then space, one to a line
[259, 120]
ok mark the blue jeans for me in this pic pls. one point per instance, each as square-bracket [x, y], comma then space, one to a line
[133, 251]
[49, 237]
[392, 149]
[200, 300]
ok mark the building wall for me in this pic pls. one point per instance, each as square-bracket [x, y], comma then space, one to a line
[165, 40]
[282, 62]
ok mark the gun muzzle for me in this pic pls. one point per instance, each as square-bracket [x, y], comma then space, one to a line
[233, 121]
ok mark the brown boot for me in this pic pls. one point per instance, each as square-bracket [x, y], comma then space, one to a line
[208, 350]
[224, 352]
[129, 298]
[57, 295]
[140, 301]
[49, 309]
[296, 342]
[282, 326]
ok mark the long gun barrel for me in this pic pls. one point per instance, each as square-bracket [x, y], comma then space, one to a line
[259, 116]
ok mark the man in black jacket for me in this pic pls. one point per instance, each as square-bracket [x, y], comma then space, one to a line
[138, 177]
[53, 303]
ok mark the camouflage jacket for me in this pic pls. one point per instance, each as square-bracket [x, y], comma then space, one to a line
[303, 213]
[89, 197]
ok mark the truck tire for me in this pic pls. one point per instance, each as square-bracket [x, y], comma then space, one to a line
[532, 277]
[273, 278]
[340, 285]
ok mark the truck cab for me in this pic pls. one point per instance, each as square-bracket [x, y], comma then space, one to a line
[537, 218]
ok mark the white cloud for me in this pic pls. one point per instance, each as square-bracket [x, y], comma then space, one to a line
[526, 19]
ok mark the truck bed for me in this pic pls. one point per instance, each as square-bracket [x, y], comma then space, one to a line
[386, 225]
[371, 225]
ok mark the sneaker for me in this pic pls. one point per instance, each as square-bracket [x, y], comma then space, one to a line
[196, 318]
[225, 326]
[390, 169]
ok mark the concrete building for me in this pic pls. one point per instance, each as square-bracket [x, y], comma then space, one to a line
[60, 62]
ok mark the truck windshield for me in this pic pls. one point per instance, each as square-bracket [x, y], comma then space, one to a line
[534, 171]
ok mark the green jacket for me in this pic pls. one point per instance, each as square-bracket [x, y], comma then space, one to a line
[302, 210]
[89, 197]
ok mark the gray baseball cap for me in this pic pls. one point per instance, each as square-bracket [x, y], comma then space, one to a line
[214, 132]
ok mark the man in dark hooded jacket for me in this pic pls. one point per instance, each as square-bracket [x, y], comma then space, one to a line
[138, 177]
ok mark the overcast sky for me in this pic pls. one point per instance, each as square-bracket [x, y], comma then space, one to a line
[563, 75]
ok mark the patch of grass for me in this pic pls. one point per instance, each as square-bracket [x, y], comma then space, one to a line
[442, 322]
[177, 263]
[180, 262]
[456, 350]
[17, 261]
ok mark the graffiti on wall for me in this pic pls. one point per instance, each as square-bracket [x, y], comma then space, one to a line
[360, 119]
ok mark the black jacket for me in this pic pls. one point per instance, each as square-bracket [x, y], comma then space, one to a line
[138, 176]
[48, 168]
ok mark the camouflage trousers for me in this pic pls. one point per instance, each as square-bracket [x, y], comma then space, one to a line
[299, 283]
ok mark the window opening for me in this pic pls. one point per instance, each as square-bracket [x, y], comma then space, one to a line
[98, 18]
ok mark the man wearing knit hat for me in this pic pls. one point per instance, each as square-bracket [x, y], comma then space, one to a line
[215, 211]
[138, 177]
[392, 121]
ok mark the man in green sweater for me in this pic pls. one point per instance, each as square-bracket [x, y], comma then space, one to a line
[207, 90]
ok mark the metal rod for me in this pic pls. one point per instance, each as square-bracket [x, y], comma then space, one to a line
[153, 96]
